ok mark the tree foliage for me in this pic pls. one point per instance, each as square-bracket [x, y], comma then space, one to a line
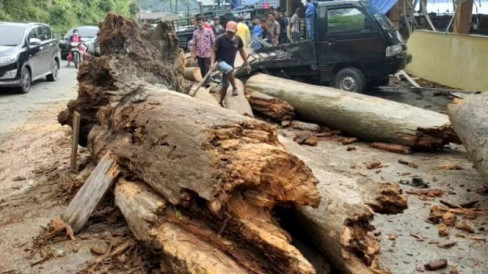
[64, 14]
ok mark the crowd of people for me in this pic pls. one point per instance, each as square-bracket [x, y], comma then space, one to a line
[216, 44]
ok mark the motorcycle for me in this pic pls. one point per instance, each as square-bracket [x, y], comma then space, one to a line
[77, 53]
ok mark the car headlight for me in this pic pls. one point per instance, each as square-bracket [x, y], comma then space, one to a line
[393, 50]
[8, 59]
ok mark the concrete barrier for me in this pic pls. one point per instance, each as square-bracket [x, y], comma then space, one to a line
[455, 60]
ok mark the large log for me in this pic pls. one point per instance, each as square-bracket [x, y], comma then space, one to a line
[192, 74]
[270, 106]
[340, 226]
[220, 172]
[470, 121]
[238, 103]
[370, 118]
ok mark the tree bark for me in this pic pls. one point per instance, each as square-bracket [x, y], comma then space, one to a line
[192, 74]
[470, 121]
[269, 106]
[366, 117]
[340, 226]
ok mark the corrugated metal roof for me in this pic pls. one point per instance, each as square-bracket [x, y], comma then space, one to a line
[383, 6]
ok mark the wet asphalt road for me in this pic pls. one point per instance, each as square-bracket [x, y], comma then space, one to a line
[16, 109]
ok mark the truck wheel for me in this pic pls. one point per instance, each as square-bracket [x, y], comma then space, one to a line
[350, 79]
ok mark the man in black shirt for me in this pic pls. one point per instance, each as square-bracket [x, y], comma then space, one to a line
[280, 18]
[223, 56]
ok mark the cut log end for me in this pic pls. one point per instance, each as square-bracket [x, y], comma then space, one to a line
[252, 149]
[270, 106]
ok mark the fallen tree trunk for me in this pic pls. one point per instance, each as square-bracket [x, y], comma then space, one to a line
[183, 251]
[340, 226]
[221, 173]
[470, 121]
[238, 103]
[216, 162]
[359, 115]
[270, 106]
[192, 74]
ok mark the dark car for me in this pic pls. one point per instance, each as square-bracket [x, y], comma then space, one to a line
[28, 51]
[88, 35]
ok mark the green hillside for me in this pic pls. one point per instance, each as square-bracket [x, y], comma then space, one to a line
[64, 14]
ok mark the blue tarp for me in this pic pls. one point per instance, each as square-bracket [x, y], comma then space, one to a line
[383, 6]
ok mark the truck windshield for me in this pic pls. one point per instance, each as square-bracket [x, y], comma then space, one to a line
[11, 35]
[380, 17]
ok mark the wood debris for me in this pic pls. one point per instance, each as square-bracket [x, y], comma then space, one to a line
[408, 163]
[306, 138]
[401, 149]
[450, 167]
[436, 265]
[348, 141]
[449, 219]
[419, 237]
[432, 193]
[465, 226]
[374, 164]
[444, 230]
[304, 126]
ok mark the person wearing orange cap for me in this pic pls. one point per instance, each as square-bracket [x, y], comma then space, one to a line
[223, 56]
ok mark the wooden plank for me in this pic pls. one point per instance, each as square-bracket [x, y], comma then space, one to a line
[91, 193]
[76, 136]
[408, 78]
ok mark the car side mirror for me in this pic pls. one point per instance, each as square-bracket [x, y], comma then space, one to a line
[34, 42]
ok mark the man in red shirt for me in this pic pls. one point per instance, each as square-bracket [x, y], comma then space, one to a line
[203, 42]
[224, 55]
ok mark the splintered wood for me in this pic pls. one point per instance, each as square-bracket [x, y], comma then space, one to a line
[91, 193]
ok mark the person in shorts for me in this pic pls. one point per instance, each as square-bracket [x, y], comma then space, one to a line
[223, 55]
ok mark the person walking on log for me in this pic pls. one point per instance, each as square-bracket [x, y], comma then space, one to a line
[224, 55]
[203, 42]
